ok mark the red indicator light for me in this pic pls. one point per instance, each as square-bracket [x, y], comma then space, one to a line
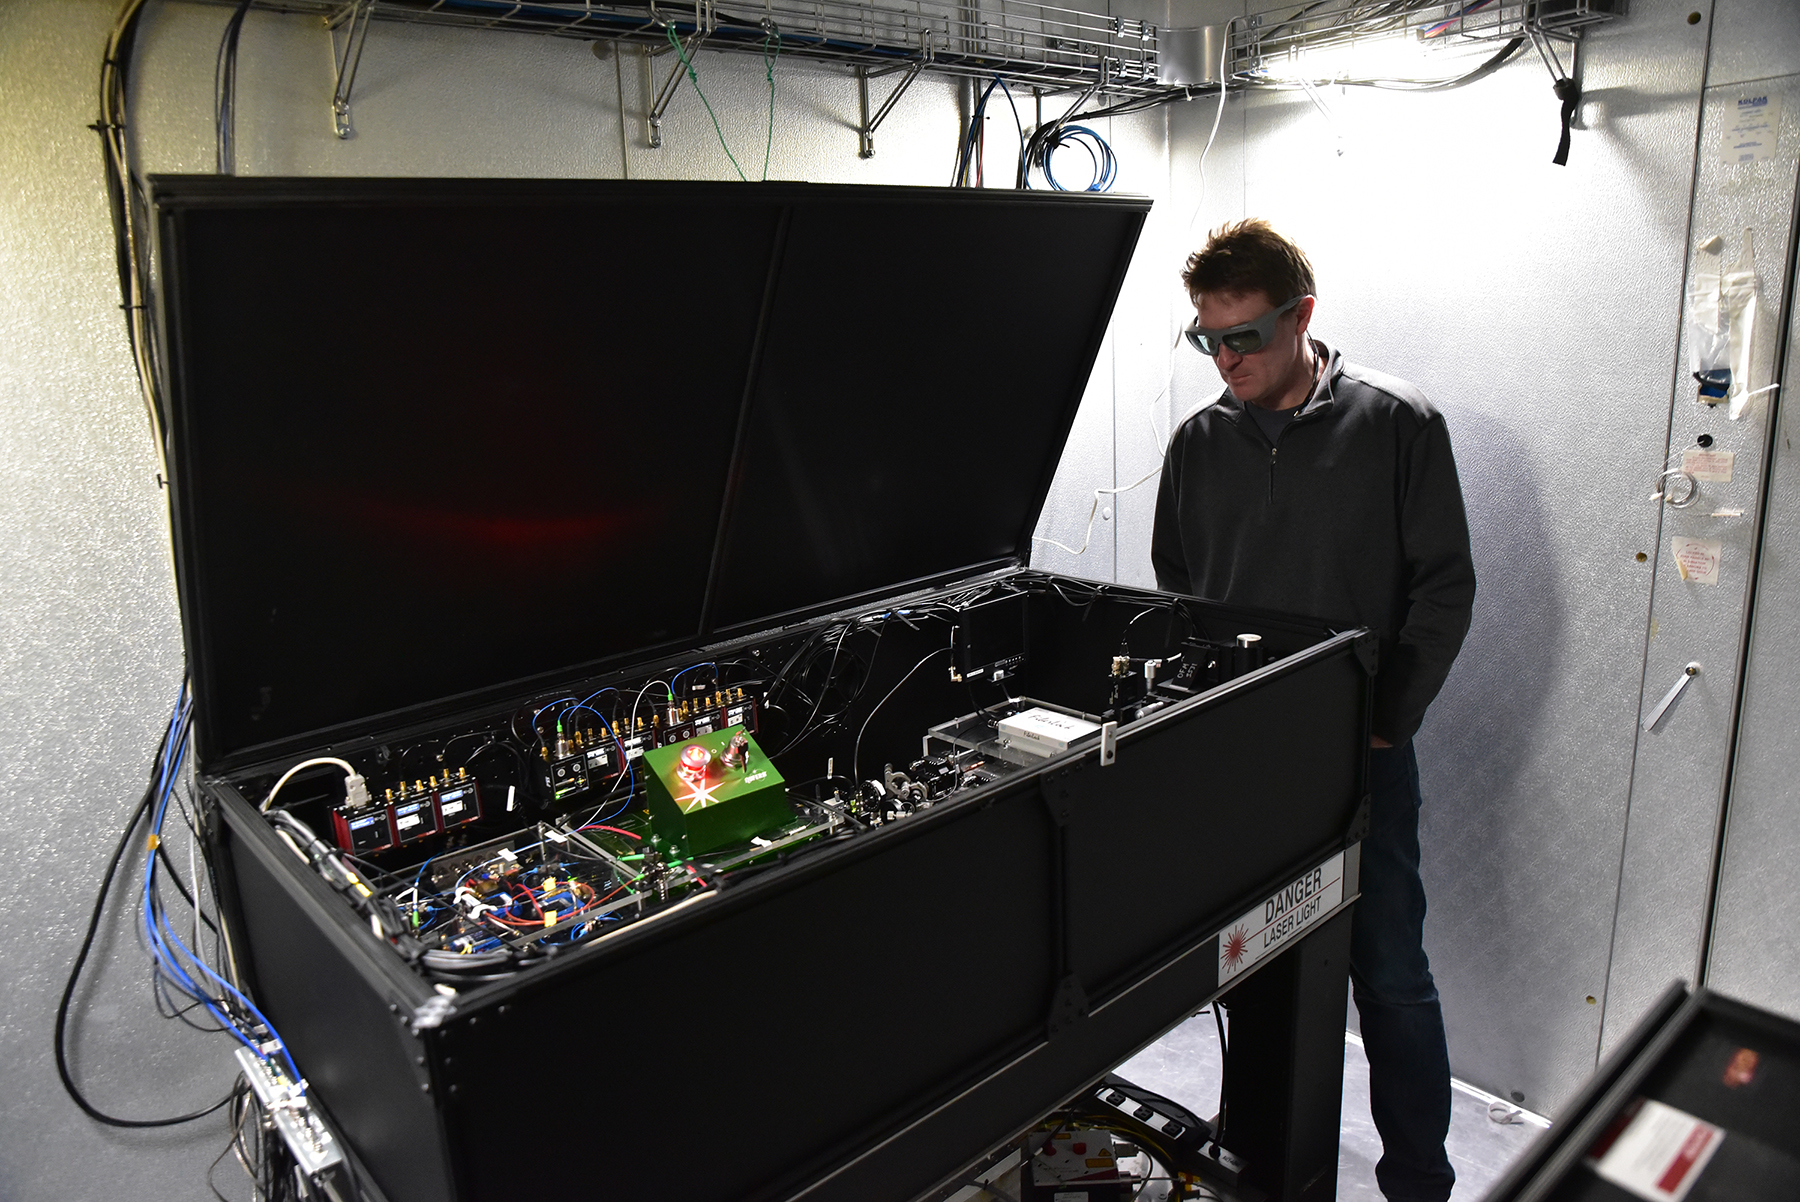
[694, 761]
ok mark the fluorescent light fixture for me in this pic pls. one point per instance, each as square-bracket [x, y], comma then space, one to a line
[1400, 56]
[1397, 57]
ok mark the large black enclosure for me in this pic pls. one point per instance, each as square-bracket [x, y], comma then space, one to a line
[1701, 1100]
[447, 456]
[438, 438]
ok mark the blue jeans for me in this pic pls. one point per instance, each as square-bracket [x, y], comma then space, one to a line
[1402, 1023]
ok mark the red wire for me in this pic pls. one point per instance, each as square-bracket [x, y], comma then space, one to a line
[615, 830]
[530, 898]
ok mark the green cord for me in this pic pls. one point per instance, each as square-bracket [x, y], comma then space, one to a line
[692, 75]
[769, 65]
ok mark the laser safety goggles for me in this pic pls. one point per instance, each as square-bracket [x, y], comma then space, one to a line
[1245, 339]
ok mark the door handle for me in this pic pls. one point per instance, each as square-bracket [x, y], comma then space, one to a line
[1662, 707]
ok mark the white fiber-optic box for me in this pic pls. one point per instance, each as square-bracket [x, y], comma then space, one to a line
[1045, 732]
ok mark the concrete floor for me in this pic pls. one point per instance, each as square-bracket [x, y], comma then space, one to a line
[1185, 1063]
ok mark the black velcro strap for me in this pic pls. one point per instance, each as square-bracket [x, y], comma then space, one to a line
[1569, 92]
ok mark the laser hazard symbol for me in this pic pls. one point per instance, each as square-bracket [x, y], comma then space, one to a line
[1281, 917]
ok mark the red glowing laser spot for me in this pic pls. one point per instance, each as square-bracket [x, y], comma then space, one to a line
[1236, 944]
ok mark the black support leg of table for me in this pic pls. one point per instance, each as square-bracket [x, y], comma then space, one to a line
[1284, 1069]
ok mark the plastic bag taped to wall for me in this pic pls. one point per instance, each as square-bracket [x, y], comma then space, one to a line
[1721, 318]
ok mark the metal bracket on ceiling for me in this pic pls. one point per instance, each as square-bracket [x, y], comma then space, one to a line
[865, 132]
[353, 19]
[1566, 83]
[704, 24]
[1544, 41]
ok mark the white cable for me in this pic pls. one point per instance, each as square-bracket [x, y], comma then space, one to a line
[1218, 116]
[1099, 492]
[667, 686]
[355, 789]
[1095, 508]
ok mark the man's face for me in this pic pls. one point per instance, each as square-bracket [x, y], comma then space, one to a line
[1267, 376]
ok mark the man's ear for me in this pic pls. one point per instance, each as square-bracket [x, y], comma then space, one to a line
[1303, 315]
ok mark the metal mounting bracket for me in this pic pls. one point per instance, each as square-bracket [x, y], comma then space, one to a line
[1109, 744]
[865, 132]
[660, 105]
[655, 107]
[1566, 84]
[353, 19]
[1068, 1006]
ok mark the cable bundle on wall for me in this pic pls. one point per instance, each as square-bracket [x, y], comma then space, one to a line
[129, 208]
[1044, 145]
[177, 968]
[225, 91]
[184, 981]
[969, 150]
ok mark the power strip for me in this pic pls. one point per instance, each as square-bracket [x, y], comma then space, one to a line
[308, 1140]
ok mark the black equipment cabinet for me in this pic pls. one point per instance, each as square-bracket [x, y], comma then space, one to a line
[442, 451]
[1729, 1074]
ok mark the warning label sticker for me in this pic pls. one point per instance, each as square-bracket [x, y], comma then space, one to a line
[1752, 130]
[1281, 917]
[1697, 559]
[1708, 465]
[1655, 1151]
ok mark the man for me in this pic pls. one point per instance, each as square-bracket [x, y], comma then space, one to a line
[1317, 487]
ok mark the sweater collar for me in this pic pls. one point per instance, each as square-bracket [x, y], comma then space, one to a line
[1324, 393]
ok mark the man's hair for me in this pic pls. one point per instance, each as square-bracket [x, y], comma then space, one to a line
[1249, 256]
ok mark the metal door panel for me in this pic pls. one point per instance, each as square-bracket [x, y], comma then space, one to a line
[1755, 954]
[1679, 770]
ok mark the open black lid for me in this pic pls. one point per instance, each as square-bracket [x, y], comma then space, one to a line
[435, 441]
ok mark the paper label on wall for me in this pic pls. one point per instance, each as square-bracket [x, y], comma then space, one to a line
[1708, 465]
[1281, 917]
[1752, 131]
[1697, 559]
[1655, 1151]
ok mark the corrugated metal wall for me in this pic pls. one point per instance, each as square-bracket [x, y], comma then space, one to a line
[1753, 953]
[1679, 775]
[1539, 307]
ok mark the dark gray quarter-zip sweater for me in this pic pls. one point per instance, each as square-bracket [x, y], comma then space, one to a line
[1353, 515]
